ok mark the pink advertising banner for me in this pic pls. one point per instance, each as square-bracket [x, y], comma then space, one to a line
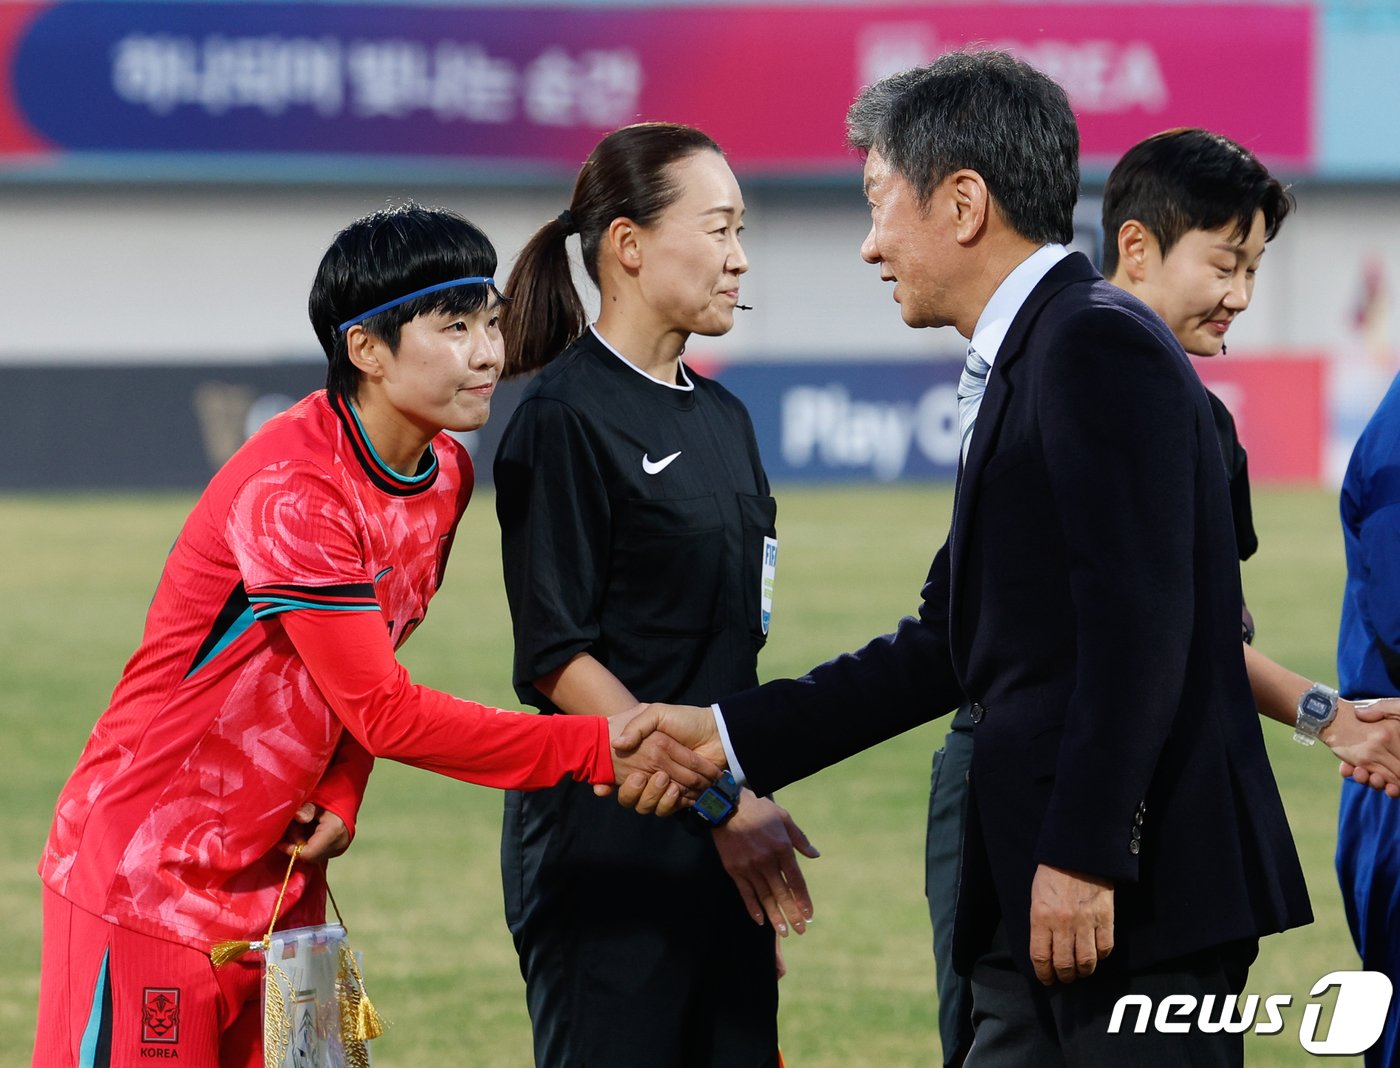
[514, 88]
[1279, 403]
[773, 84]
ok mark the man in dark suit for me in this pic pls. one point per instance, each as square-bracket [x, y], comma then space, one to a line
[1086, 603]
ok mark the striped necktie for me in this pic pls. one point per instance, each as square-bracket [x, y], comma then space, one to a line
[971, 386]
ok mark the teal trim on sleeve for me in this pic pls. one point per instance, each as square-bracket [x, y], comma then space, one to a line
[239, 625]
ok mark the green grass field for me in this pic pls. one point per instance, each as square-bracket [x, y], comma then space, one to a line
[420, 888]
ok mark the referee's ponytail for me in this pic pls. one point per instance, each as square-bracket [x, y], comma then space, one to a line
[545, 312]
[627, 176]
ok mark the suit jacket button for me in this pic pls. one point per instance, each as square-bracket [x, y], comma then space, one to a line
[1134, 847]
[977, 712]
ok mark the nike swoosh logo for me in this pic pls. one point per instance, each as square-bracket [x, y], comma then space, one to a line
[655, 467]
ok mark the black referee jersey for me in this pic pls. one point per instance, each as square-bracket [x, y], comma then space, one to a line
[635, 517]
[1237, 469]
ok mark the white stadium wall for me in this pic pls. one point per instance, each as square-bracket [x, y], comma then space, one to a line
[188, 273]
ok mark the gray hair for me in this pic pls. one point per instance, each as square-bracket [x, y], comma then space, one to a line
[985, 111]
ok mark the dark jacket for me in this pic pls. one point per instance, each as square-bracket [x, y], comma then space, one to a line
[1088, 602]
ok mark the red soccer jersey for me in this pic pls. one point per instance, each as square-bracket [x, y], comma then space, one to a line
[266, 678]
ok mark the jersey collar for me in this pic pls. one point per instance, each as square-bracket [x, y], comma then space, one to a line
[379, 473]
[685, 385]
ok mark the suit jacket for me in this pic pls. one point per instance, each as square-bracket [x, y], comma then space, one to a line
[1087, 603]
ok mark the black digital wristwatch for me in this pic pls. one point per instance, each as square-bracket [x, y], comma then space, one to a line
[719, 801]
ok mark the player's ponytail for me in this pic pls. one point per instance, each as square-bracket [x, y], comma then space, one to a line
[626, 176]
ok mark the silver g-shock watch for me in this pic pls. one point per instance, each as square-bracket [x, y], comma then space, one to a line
[1316, 709]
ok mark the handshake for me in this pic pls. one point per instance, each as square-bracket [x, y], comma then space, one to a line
[664, 756]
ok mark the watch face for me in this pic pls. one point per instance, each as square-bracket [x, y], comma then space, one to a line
[713, 806]
[1316, 706]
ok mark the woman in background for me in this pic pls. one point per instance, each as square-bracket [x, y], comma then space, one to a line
[639, 550]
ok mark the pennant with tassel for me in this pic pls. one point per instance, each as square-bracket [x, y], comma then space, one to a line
[316, 1012]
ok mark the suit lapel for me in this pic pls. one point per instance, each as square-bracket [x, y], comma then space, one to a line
[1073, 268]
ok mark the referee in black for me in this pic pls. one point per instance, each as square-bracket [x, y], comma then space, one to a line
[639, 545]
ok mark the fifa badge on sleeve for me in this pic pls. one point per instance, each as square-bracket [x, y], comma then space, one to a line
[770, 571]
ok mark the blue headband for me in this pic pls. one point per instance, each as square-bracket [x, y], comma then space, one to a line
[416, 293]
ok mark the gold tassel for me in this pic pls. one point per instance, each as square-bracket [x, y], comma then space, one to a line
[224, 952]
[368, 1024]
[359, 1019]
[277, 1022]
[359, 1022]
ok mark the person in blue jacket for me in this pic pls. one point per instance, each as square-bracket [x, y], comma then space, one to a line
[1368, 666]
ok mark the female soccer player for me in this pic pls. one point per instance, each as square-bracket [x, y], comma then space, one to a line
[266, 682]
[639, 548]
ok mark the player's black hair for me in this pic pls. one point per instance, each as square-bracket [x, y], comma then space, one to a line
[1189, 179]
[387, 255]
[984, 111]
[628, 175]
